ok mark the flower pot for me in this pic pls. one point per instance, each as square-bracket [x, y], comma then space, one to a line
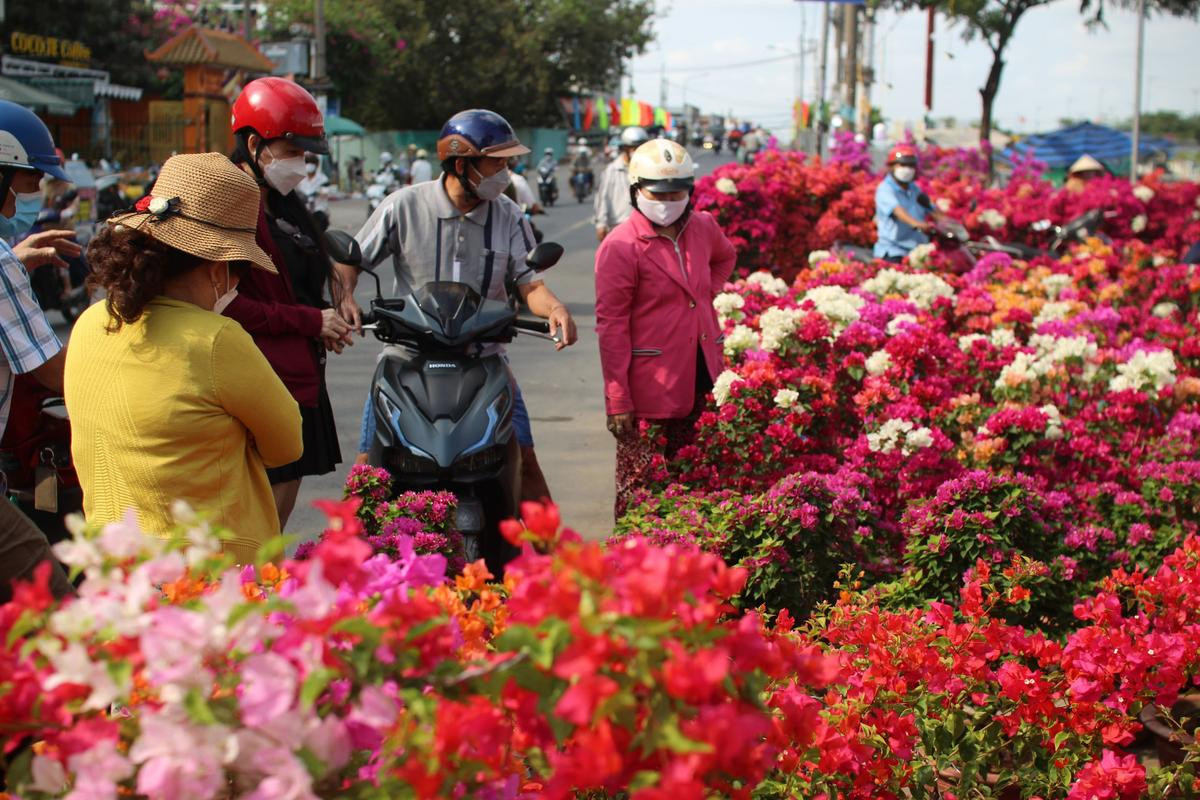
[1169, 742]
[948, 779]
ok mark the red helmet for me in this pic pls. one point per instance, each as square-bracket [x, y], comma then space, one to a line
[276, 108]
[903, 154]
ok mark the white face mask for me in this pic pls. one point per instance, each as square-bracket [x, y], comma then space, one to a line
[662, 212]
[493, 186]
[905, 174]
[224, 300]
[310, 169]
[284, 174]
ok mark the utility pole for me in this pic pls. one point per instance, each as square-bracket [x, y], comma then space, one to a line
[867, 72]
[850, 35]
[317, 73]
[662, 86]
[929, 64]
[1137, 94]
[821, 80]
[246, 19]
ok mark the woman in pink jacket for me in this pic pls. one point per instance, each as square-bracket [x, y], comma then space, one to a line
[660, 342]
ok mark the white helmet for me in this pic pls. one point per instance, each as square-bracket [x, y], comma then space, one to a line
[385, 157]
[633, 136]
[549, 151]
[581, 140]
[661, 165]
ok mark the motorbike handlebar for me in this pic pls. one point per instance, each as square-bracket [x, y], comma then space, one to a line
[532, 325]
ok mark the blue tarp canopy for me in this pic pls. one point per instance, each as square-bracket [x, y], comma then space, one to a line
[1061, 148]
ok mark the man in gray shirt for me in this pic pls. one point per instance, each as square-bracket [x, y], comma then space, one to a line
[612, 204]
[462, 228]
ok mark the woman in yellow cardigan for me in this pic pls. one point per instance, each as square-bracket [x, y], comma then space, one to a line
[169, 400]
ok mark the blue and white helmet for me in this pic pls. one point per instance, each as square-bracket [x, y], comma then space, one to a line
[26, 143]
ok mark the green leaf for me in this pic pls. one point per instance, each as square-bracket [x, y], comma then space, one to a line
[273, 548]
[674, 740]
[314, 685]
[198, 709]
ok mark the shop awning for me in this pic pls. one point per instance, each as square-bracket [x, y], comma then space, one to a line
[340, 126]
[84, 91]
[34, 98]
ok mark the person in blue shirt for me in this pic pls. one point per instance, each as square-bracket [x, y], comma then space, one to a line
[902, 210]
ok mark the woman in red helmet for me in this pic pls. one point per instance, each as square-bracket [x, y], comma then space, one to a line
[275, 123]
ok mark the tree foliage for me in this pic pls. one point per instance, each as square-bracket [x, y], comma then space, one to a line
[995, 22]
[413, 63]
[117, 31]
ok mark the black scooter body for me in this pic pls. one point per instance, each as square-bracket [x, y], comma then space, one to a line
[443, 411]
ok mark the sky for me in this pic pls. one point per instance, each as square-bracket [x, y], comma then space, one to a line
[1055, 66]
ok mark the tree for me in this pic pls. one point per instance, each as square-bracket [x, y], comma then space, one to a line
[995, 21]
[1170, 124]
[117, 31]
[413, 63]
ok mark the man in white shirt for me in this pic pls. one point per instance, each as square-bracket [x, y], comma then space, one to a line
[612, 204]
[421, 170]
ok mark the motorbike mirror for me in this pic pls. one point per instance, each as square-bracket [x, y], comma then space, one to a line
[544, 256]
[343, 248]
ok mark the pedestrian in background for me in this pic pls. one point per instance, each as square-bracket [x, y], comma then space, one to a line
[612, 206]
[656, 276]
[169, 400]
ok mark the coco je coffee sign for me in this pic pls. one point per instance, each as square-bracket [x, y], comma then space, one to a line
[50, 48]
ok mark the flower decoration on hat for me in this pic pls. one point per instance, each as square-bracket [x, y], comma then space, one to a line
[158, 207]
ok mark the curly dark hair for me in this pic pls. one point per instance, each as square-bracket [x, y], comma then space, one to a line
[132, 268]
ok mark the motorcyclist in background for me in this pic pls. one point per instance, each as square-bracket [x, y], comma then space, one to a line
[612, 205]
[314, 188]
[900, 215]
[547, 180]
[582, 163]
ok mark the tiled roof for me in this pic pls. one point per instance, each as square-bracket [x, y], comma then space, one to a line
[208, 46]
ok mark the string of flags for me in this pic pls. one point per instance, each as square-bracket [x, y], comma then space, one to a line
[602, 113]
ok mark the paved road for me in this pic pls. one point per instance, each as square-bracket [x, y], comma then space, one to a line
[563, 390]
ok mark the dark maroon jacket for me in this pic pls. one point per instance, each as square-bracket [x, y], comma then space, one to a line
[286, 331]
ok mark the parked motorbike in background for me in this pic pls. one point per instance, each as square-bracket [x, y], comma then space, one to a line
[443, 415]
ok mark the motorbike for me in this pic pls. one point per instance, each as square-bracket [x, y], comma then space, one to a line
[547, 185]
[35, 458]
[59, 288]
[383, 184]
[444, 416]
[580, 184]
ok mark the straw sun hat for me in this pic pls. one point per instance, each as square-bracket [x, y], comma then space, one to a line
[203, 205]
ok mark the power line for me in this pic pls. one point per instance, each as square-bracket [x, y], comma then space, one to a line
[736, 65]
